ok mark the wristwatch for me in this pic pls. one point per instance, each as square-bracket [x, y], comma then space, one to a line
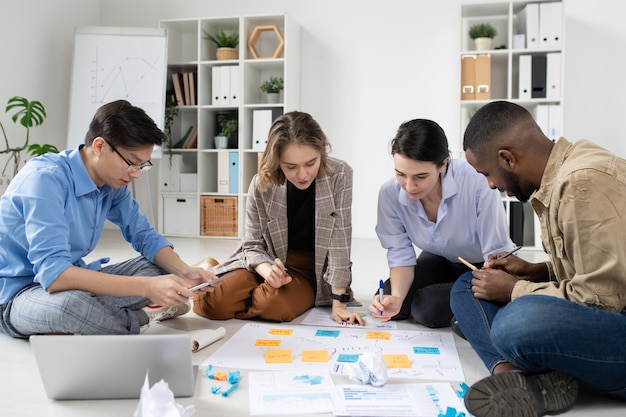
[344, 298]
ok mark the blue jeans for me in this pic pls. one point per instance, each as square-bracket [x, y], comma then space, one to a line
[35, 311]
[537, 333]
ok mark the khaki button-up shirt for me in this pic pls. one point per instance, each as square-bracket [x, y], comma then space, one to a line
[581, 204]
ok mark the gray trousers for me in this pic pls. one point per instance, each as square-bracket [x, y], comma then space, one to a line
[35, 311]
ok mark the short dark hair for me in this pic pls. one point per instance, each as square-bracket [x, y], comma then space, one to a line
[293, 127]
[125, 125]
[421, 140]
[492, 120]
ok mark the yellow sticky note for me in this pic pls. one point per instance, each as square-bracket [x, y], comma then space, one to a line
[278, 356]
[281, 332]
[314, 356]
[378, 336]
[397, 361]
[267, 342]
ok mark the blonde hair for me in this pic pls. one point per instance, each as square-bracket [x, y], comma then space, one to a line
[293, 127]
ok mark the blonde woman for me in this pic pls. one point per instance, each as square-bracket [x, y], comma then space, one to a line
[295, 253]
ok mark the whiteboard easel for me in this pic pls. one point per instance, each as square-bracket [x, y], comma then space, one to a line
[113, 63]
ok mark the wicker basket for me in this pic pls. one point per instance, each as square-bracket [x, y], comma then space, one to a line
[219, 216]
[224, 54]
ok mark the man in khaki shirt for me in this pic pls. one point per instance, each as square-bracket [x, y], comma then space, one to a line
[543, 329]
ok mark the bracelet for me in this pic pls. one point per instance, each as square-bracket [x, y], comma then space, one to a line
[549, 270]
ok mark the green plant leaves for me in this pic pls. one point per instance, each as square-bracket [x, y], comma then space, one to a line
[30, 113]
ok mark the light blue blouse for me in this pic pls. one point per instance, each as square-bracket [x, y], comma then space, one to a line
[471, 221]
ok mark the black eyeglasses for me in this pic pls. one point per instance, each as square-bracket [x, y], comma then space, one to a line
[132, 168]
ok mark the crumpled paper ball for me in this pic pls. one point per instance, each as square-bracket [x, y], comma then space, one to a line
[369, 369]
[158, 401]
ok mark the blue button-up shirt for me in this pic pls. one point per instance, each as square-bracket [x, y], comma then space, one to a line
[52, 215]
[471, 221]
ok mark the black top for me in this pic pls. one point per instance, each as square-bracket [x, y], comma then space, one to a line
[301, 217]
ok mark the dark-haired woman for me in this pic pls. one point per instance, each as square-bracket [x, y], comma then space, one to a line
[442, 207]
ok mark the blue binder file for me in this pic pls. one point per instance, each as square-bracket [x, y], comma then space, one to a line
[233, 172]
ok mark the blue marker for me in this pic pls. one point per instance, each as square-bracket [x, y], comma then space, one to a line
[380, 293]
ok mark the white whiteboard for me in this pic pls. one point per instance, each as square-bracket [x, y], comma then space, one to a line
[112, 63]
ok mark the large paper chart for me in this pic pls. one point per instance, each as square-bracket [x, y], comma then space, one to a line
[408, 354]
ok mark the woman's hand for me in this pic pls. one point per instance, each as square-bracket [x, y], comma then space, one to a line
[389, 307]
[340, 314]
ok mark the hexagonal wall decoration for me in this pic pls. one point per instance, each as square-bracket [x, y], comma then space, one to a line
[254, 37]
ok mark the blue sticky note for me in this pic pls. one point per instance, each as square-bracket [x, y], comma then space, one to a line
[348, 357]
[327, 333]
[422, 350]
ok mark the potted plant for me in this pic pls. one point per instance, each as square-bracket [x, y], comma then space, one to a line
[226, 44]
[482, 34]
[272, 87]
[29, 114]
[226, 128]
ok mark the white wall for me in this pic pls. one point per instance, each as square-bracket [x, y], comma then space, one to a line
[367, 66]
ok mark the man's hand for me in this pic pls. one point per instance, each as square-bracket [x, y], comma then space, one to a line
[387, 309]
[493, 285]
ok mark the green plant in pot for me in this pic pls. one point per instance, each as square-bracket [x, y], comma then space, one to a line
[482, 34]
[28, 114]
[226, 128]
[226, 44]
[272, 87]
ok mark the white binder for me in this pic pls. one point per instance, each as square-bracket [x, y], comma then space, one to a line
[216, 86]
[234, 90]
[554, 121]
[261, 123]
[556, 25]
[223, 171]
[541, 114]
[553, 76]
[528, 19]
[525, 72]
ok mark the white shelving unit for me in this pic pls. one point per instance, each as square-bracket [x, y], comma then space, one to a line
[187, 201]
[505, 16]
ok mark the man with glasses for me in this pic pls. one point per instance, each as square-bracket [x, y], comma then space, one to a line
[53, 213]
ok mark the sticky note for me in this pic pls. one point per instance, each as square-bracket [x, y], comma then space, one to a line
[281, 332]
[378, 336]
[278, 356]
[267, 342]
[348, 357]
[314, 356]
[397, 361]
[327, 333]
[423, 350]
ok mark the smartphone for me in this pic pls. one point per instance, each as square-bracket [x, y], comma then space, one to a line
[218, 279]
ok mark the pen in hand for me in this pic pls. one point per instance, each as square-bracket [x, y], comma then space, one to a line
[510, 253]
[380, 294]
[468, 264]
[285, 270]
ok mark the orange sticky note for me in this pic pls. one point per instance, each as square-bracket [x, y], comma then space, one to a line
[397, 361]
[378, 336]
[281, 332]
[267, 342]
[278, 356]
[314, 356]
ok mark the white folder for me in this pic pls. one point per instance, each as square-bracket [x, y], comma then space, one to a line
[554, 121]
[553, 76]
[556, 26]
[216, 86]
[525, 72]
[541, 114]
[170, 170]
[528, 19]
[223, 171]
[234, 90]
[225, 88]
[261, 123]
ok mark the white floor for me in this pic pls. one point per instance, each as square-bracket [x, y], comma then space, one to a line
[22, 394]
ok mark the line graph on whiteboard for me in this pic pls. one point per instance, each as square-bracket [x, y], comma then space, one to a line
[114, 64]
[127, 77]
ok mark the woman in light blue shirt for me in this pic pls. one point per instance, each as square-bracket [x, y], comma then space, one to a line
[442, 207]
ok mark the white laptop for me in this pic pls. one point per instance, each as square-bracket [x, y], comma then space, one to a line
[113, 366]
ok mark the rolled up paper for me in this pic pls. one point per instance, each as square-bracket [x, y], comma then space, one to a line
[204, 337]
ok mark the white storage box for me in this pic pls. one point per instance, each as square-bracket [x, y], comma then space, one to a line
[181, 216]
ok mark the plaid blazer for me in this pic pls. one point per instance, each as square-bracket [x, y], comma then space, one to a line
[266, 230]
